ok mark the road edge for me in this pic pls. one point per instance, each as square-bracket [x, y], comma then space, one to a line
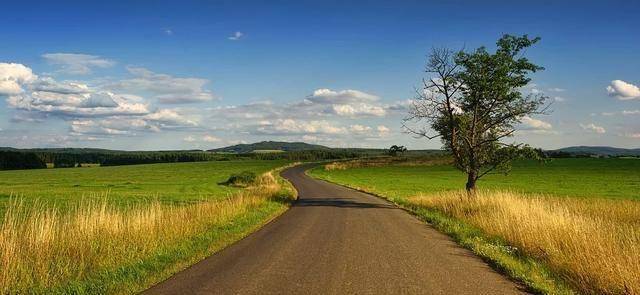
[537, 282]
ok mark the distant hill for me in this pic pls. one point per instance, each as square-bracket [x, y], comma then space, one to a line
[599, 151]
[271, 146]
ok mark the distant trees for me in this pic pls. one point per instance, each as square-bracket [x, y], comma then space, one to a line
[472, 102]
[20, 160]
[394, 150]
[64, 162]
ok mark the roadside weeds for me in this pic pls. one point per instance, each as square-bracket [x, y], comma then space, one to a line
[98, 248]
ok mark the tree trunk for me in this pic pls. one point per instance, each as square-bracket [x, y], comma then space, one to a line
[471, 182]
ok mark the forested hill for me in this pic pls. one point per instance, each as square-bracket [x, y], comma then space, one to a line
[271, 146]
[598, 151]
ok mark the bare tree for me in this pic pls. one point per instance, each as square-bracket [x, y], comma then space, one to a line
[472, 101]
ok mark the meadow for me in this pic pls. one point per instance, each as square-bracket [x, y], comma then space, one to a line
[568, 226]
[573, 177]
[121, 229]
[174, 183]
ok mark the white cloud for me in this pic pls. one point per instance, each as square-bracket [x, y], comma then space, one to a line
[95, 128]
[555, 89]
[633, 135]
[13, 76]
[357, 110]
[77, 64]
[165, 88]
[210, 138]
[204, 138]
[328, 96]
[631, 112]
[168, 32]
[236, 36]
[623, 90]
[535, 124]
[383, 129]
[593, 128]
[298, 127]
[77, 105]
[168, 118]
[559, 99]
[357, 128]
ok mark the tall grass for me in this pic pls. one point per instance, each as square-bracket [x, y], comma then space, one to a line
[592, 244]
[41, 248]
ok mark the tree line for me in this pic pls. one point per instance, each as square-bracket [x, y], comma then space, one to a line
[67, 159]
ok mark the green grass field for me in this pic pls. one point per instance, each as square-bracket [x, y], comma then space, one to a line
[168, 182]
[121, 229]
[581, 177]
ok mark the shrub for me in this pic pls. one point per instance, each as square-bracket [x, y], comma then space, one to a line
[244, 178]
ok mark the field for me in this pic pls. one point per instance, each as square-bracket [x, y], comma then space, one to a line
[120, 229]
[585, 178]
[567, 226]
[125, 185]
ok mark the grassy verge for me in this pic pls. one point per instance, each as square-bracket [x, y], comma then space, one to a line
[98, 247]
[553, 245]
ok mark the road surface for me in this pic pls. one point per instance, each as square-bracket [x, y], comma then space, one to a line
[336, 240]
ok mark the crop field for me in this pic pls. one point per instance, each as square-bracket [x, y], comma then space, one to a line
[568, 226]
[121, 229]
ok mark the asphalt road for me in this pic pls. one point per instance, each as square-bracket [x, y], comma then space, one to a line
[336, 240]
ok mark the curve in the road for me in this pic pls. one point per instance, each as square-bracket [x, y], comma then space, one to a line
[335, 240]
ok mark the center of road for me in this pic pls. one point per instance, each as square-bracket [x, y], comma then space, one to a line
[336, 240]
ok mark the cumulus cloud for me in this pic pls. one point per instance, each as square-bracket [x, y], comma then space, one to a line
[535, 124]
[623, 90]
[593, 128]
[168, 118]
[77, 64]
[298, 127]
[328, 96]
[77, 105]
[631, 112]
[357, 128]
[154, 122]
[357, 110]
[633, 135]
[13, 76]
[165, 88]
[210, 138]
[236, 36]
[345, 103]
[383, 129]
[204, 138]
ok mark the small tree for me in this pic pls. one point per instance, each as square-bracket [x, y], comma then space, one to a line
[394, 150]
[473, 102]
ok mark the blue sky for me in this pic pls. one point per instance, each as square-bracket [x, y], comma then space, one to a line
[203, 74]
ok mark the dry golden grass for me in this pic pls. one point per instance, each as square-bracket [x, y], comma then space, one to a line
[385, 161]
[593, 244]
[42, 248]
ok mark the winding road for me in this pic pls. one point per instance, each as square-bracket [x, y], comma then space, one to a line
[335, 240]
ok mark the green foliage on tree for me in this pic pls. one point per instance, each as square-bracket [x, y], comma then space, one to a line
[472, 102]
[10, 160]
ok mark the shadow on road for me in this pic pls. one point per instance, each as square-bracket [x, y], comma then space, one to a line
[336, 202]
